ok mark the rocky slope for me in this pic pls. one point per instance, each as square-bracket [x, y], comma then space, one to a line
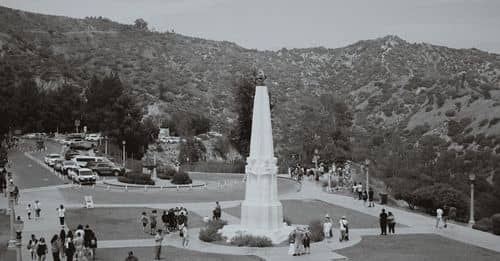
[390, 83]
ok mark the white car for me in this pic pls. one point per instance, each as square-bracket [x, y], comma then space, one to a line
[67, 165]
[82, 161]
[93, 137]
[50, 159]
[82, 176]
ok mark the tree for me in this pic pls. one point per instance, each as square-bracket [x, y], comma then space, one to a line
[244, 91]
[191, 151]
[101, 96]
[141, 24]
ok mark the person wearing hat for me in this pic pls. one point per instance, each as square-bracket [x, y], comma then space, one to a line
[344, 229]
[327, 227]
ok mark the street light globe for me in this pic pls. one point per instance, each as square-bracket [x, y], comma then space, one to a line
[124, 142]
[472, 177]
[367, 162]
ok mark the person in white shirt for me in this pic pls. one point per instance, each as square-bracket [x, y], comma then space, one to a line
[158, 240]
[38, 209]
[60, 213]
[344, 229]
[439, 217]
[327, 227]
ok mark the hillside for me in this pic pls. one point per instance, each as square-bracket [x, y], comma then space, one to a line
[390, 83]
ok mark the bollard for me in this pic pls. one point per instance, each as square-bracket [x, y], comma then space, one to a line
[126, 187]
[161, 187]
[145, 187]
[108, 188]
[191, 186]
[205, 185]
[177, 187]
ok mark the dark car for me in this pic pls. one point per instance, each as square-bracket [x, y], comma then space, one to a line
[105, 168]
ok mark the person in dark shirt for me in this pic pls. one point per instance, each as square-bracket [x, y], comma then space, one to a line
[383, 222]
[370, 198]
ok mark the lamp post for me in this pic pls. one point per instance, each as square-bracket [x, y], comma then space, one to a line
[19, 226]
[367, 168]
[472, 179]
[123, 149]
[105, 145]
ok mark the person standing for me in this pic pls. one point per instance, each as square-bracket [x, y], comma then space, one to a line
[38, 209]
[131, 257]
[365, 197]
[344, 229]
[359, 189]
[152, 222]
[62, 241]
[32, 244]
[291, 242]
[41, 250]
[439, 217]
[164, 219]
[370, 198]
[327, 228]
[307, 241]
[55, 247]
[144, 220]
[383, 222]
[29, 209]
[158, 241]
[69, 246]
[391, 222]
[61, 213]
[217, 211]
[184, 235]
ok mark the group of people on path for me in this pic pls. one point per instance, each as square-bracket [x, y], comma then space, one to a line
[173, 219]
[360, 194]
[300, 241]
[328, 228]
[387, 220]
[77, 245]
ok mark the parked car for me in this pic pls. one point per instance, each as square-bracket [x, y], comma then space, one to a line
[93, 137]
[67, 165]
[50, 159]
[83, 160]
[82, 176]
[81, 145]
[105, 168]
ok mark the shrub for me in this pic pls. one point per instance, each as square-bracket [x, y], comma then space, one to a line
[237, 166]
[211, 232]
[431, 197]
[495, 222]
[165, 172]
[136, 178]
[251, 241]
[483, 224]
[181, 178]
[316, 231]
[494, 121]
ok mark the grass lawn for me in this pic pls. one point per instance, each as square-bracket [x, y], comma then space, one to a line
[118, 223]
[305, 211]
[5, 254]
[168, 253]
[416, 248]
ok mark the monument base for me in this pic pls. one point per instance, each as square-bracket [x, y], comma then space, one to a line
[276, 236]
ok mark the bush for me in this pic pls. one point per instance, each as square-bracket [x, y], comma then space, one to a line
[495, 224]
[251, 241]
[136, 178]
[211, 232]
[431, 197]
[483, 224]
[316, 231]
[165, 172]
[237, 166]
[181, 178]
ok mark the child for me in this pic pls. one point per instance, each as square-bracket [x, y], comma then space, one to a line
[28, 210]
[144, 220]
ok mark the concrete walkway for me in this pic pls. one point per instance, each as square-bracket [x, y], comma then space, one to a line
[417, 224]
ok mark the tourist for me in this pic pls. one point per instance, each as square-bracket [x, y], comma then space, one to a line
[184, 235]
[391, 222]
[29, 209]
[291, 242]
[60, 213]
[79, 229]
[164, 219]
[41, 250]
[370, 198]
[327, 228]
[90, 240]
[131, 257]
[354, 189]
[217, 210]
[78, 242]
[299, 236]
[158, 240]
[152, 222]
[32, 244]
[383, 222]
[359, 189]
[62, 241]
[144, 220]
[55, 247]
[69, 246]
[446, 211]
[365, 197]
[38, 209]
[439, 217]
[344, 229]
[307, 241]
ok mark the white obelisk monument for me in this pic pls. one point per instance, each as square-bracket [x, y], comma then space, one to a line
[261, 211]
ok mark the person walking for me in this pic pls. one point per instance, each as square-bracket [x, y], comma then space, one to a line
[365, 197]
[383, 222]
[38, 209]
[29, 210]
[69, 246]
[152, 222]
[439, 217]
[291, 242]
[217, 211]
[370, 198]
[90, 240]
[32, 244]
[41, 250]
[184, 235]
[55, 246]
[131, 257]
[164, 219]
[307, 241]
[391, 222]
[61, 211]
[158, 241]
[144, 220]
[78, 241]
[62, 241]
[327, 228]
[344, 229]
[354, 190]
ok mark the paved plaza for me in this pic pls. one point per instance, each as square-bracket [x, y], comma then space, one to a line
[115, 219]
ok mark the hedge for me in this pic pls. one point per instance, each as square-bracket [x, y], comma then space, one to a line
[181, 178]
[495, 222]
[429, 198]
[251, 241]
[211, 232]
[483, 224]
[136, 178]
[165, 172]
